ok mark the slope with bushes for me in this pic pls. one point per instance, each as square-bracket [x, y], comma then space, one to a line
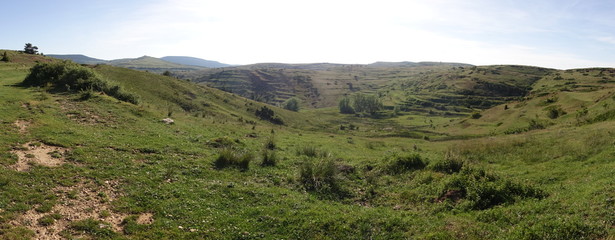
[101, 168]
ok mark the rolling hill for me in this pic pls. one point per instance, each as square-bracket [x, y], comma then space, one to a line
[147, 63]
[194, 61]
[78, 58]
[536, 162]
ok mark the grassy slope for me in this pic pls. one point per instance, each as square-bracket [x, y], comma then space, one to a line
[167, 170]
[152, 64]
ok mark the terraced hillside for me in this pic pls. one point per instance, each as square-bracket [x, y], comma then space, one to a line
[451, 88]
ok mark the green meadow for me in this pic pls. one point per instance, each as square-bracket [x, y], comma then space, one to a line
[488, 152]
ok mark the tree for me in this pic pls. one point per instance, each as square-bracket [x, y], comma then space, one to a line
[367, 103]
[30, 49]
[5, 57]
[345, 106]
[291, 104]
[166, 73]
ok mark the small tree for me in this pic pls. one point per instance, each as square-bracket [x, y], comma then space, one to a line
[345, 106]
[291, 104]
[5, 57]
[367, 103]
[166, 73]
[30, 49]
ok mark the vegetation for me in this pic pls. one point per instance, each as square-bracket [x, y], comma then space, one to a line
[5, 57]
[30, 49]
[345, 106]
[80, 164]
[291, 104]
[68, 76]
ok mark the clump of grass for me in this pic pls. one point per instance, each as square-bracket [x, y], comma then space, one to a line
[55, 154]
[95, 228]
[319, 176]
[269, 158]
[451, 163]
[87, 94]
[223, 142]
[270, 143]
[231, 158]
[399, 163]
[49, 219]
[312, 151]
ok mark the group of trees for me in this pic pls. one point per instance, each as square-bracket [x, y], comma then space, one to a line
[30, 49]
[360, 103]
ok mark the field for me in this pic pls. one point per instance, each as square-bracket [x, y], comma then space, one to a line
[85, 165]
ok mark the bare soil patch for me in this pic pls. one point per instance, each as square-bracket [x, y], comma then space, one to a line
[145, 218]
[22, 125]
[75, 203]
[38, 153]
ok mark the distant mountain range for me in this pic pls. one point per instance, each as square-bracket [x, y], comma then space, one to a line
[194, 61]
[147, 63]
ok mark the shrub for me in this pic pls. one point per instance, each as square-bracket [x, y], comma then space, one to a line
[291, 104]
[397, 163]
[5, 57]
[269, 158]
[68, 76]
[265, 113]
[475, 115]
[554, 112]
[270, 143]
[345, 106]
[230, 158]
[481, 190]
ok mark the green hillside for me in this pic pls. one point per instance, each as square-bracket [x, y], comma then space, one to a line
[80, 163]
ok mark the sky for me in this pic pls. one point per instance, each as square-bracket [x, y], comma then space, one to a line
[560, 34]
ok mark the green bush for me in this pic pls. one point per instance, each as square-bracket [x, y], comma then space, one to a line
[554, 112]
[481, 190]
[397, 163]
[345, 106]
[450, 164]
[291, 104]
[231, 158]
[5, 57]
[475, 115]
[68, 76]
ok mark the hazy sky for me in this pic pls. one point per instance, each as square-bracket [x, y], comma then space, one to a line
[556, 33]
